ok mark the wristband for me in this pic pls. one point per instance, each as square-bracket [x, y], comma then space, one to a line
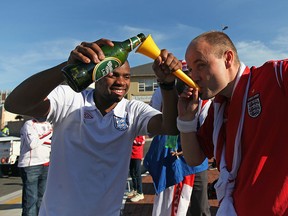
[167, 86]
[187, 126]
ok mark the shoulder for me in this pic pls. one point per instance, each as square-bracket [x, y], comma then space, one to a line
[64, 94]
[272, 70]
[27, 125]
[273, 65]
[141, 106]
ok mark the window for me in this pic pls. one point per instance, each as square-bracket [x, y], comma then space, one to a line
[155, 86]
[147, 85]
[141, 87]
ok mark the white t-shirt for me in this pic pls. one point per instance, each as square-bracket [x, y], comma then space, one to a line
[91, 153]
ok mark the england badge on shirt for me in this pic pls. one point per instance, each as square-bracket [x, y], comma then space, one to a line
[254, 106]
[121, 123]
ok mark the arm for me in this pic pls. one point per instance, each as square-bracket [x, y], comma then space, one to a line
[187, 109]
[36, 141]
[163, 67]
[30, 97]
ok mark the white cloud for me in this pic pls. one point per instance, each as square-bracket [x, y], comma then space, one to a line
[255, 53]
[281, 40]
[32, 58]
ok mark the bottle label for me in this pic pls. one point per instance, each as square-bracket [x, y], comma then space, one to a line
[105, 67]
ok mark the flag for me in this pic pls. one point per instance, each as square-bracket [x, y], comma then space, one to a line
[172, 178]
[174, 200]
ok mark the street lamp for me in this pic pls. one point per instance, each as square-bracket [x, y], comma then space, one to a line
[224, 28]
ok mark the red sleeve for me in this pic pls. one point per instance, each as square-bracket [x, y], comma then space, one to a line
[285, 76]
[205, 134]
[280, 71]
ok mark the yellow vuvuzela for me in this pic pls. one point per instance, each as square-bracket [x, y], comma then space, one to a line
[150, 49]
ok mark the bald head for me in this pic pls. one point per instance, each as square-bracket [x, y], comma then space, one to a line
[218, 41]
[213, 62]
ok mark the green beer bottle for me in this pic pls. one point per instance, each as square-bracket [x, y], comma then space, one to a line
[79, 76]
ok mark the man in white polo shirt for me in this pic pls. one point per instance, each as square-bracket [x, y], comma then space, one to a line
[93, 131]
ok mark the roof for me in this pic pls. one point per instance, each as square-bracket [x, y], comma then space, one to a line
[142, 70]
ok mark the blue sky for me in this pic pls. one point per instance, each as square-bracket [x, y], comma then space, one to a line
[36, 35]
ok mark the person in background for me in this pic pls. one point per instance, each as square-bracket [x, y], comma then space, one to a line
[34, 163]
[93, 130]
[243, 128]
[136, 194]
[5, 130]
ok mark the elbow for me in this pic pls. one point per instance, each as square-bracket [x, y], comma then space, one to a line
[194, 161]
[8, 106]
[12, 105]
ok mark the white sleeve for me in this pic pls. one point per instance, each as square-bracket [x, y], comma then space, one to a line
[63, 101]
[142, 113]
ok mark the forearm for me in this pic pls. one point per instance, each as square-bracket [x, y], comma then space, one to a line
[169, 111]
[35, 143]
[29, 97]
[191, 148]
[165, 123]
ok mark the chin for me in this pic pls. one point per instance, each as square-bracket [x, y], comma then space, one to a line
[206, 95]
[117, 99]
[203, 96]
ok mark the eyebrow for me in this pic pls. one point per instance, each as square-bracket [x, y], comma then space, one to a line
[197, 60]
[121, 74]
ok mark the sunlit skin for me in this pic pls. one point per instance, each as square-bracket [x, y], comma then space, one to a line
[113, 88]
[213, 75]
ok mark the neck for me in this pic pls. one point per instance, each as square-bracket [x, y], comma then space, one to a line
[234, 72]
[103, 105]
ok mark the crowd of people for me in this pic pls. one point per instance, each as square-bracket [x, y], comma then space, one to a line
[241, 130]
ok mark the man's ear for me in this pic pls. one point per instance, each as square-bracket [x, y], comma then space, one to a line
[229, 57]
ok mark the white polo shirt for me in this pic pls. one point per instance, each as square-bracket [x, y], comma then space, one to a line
[90, 153]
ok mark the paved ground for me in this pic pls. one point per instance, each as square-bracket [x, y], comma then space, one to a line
[144, 207]
[10, 205]
[9, 185]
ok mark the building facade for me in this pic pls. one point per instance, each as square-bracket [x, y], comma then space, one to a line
[143, 83]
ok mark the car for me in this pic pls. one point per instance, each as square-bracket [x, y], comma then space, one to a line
[9, 154]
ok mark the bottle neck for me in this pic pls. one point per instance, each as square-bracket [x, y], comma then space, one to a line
[131, 43]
